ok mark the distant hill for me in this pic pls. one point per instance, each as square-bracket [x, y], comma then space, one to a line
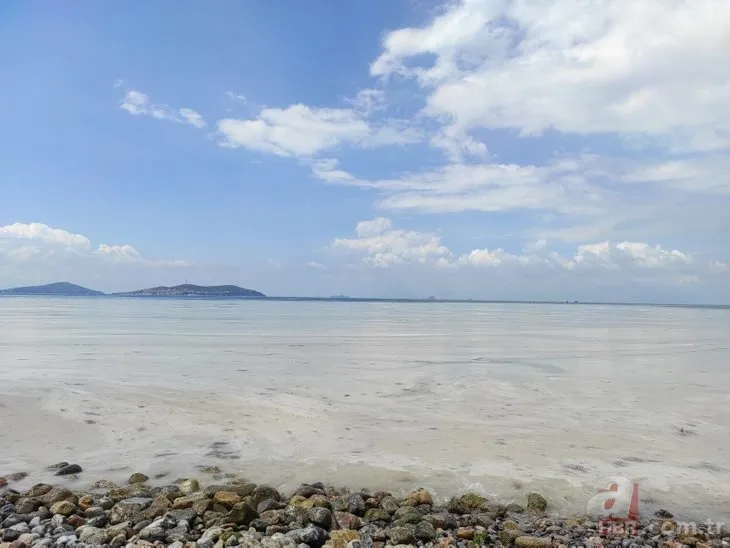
[189, 290]
[59, 288]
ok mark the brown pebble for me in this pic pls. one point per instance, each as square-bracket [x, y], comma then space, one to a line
[466, 533]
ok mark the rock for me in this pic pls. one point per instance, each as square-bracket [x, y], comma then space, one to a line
[508, 536]
[241, 514]
[98, 521]
[28, 538]
[38, 490]
[64, 507]
[532, 542]
[312, 535]
[57, 466]
[17, 476]
[345, 520]
[400, 535]
[356, 504]
[322, 517]
[263, 492]
[268, 504]
[418, 497]
[340, 537]
[664, 514]
[424, 531]
[407, 514]
[300, 502]
[515, 508]
[536, 503]
[374, 515]
[466, 533]
[278, 540]
[93, 535]
[189, 485]
[104, 484]
[56, 495]
[105, 503]
[86, 502]
[226, 498]
[320, 501]
[202, 506]
[118, 542]
[442, 520]
[27, 505]
[70, 469]
[75, 521]
[158, 508]
[211, 535]
[307, 491]
[137, 478]
[187, 514]
[390, 505]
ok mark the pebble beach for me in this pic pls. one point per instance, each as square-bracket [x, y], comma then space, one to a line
[217, 510]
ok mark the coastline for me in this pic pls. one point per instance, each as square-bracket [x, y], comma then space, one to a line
[216, 510]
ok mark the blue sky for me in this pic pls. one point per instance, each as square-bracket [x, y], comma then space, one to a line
[481, 148]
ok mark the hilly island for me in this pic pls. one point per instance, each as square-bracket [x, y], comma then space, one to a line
[65, 289]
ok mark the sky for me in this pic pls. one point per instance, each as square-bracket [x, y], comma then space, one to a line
[498, 149]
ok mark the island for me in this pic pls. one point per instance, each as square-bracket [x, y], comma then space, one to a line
[190, 290]
[62, 289]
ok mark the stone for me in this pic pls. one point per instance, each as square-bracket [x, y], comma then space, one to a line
[418, 497]
[227, 498]
[424, 531]
[27, 505]
[263, 492]
[69, 469]
[536, 503]
[374, 515]
[93, 535]
[28, 538]
[508, 536]
[509, 524]
[64, 507]
[400, 535]
[137, 478]
[442, 520]
[202, 506]
[390, 505]
[340, 537]
[98, 521]
[356, 504]
[104, 484]
[187, 514]
[466, 533]
[300, 502]
[86, 502]
[118, 542]
[189, 485]
[313, 536]
[407, 514]
[38, 490]
[241, 514]
[211, 535]
[346, 520]
[158, 508]
[278, 540]
[515, 508]
[268, 504]
[321, 517]
[532, 542]
[320, 501]
[307, 491]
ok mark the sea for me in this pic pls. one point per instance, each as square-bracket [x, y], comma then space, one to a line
[501, 399]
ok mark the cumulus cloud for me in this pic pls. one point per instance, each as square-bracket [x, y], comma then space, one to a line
[139, 104]
[300, 130]
[35, 248]
[649, 67]
[382, 245]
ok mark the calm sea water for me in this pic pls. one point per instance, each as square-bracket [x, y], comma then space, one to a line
[501, 398]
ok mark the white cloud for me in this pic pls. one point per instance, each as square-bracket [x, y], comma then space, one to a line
[650, 67]
[46, 247]
[383, 246]
[137, 103]
[236, 96]
[316, 265]
[300, 130]
[192, 117]
[44, 233]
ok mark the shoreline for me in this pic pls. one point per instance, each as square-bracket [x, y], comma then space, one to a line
[216, 510]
